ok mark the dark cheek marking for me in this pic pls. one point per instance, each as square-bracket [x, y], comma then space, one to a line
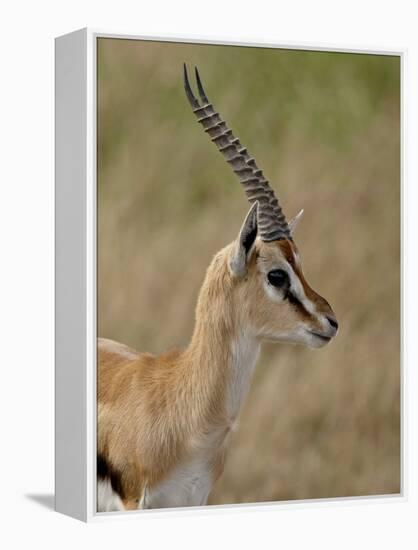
[310, 294]
[298, 305]
[287, 249]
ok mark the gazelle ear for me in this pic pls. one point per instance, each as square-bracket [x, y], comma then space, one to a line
[294, 222]
[244, 243]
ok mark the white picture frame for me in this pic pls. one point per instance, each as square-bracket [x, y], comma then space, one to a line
[76, 306]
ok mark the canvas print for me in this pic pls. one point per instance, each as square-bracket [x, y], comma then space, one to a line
[248, 275]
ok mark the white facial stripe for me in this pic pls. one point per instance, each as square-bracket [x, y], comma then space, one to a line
[307, 330]
[297, 288]
[295, 285]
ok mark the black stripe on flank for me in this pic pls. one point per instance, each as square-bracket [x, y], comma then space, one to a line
[102, 470]
[105, 471]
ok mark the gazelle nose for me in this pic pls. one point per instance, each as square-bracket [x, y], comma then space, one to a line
[332, 322]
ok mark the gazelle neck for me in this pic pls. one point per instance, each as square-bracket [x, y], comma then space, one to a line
[222, 353]
[245, 352]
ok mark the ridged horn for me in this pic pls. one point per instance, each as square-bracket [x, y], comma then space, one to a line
[272, 224]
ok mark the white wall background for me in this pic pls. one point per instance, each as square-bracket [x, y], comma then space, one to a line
[26, 299]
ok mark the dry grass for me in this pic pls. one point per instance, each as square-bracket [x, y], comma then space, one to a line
[325, 128]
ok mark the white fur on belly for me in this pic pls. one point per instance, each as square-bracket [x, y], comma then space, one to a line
[187, 485]
[107, 499]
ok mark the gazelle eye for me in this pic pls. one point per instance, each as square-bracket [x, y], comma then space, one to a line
[278, 278]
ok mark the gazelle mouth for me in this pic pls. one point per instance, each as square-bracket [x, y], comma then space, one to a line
[322, 337]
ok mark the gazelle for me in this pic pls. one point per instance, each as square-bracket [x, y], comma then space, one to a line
[164, 421]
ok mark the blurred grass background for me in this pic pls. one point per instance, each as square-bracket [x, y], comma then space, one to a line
[325, 127]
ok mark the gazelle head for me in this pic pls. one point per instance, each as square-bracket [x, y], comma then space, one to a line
[273, 297]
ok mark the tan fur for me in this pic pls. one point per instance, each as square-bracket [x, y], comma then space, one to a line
[155, 411]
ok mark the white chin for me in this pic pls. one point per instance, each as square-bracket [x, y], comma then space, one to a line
[304, 338]
[314, 341]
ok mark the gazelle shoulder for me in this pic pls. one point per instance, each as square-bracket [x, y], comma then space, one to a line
[115, 352]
